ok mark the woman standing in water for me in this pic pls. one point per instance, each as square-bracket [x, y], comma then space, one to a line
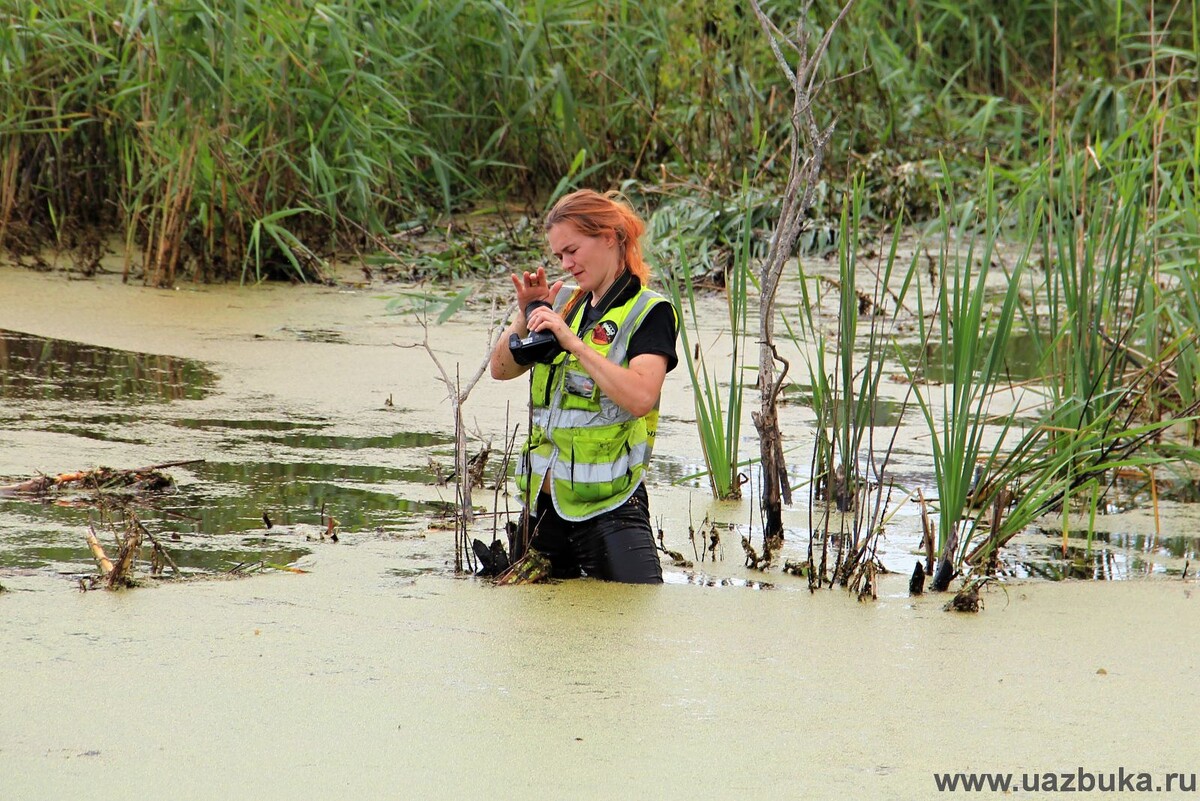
[598, 354]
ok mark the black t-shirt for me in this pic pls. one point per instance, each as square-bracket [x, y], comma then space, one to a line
[656, 334]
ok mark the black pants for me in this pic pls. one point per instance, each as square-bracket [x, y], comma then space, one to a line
[615, 546]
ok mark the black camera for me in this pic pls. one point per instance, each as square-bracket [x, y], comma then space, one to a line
[539, 346]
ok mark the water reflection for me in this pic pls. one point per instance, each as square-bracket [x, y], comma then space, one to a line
[325, 335]
[202, 423]
[37, 368]
[90, 433]
[885, 412]
[1110, 556]
[1022, 358]
[704, 580]
[78, 560]
[217, 515]
[669, 470]
[291, 493]
[50, 536]
[401, 439]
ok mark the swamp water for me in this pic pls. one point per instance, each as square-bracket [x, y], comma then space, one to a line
[378, 674]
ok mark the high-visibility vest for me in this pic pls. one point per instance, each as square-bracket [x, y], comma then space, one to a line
[596, 451]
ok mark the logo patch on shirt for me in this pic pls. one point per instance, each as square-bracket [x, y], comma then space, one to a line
[604, 332]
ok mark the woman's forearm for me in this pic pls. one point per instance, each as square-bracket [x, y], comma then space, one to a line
[635, 388]
[503, 365]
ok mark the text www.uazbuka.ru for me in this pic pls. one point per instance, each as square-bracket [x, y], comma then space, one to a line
[1076, 781]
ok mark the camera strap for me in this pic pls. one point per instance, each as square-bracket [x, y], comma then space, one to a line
[555, 389]
[606, 302]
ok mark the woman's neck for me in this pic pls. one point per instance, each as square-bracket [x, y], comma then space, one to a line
[601, 293]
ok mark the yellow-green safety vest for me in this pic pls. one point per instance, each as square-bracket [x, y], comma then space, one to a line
[596, 451]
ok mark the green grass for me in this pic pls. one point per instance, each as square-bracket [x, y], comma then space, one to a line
[718, 411]
[323, 127]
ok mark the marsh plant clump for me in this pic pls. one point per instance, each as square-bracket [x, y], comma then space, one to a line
[1079, 241]
[1098, 291]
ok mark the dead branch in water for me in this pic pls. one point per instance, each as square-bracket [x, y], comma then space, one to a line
[808, 142]
[122, 572]
[463, 468]
[119, 573]
[138, 479]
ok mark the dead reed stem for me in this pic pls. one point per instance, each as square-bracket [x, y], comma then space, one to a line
[106, 565]
[165, 243]
[8, 184]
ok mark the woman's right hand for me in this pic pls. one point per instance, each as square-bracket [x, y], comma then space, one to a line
[534, 286]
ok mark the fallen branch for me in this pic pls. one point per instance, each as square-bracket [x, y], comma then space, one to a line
[532, 568]
[140, 479]
[106, 565]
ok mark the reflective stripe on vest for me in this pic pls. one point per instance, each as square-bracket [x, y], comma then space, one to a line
[590, 473]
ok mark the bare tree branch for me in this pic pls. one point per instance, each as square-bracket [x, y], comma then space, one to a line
[458, 396]
[808, 142]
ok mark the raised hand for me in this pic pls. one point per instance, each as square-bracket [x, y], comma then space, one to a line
[534, 286]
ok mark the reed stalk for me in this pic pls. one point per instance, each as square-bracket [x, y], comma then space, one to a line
[970, 338]
[1117, 351]
[718, 421]
[850, 485]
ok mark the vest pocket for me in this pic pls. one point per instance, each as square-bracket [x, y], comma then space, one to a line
[578, 384]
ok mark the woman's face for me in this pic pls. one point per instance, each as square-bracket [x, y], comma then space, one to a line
[593, 261]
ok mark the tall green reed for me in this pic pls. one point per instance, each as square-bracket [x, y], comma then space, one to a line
[327, 123]
[970, 337]
[1116, 351]
[849, 464]
[337, 122]
[718, 414]
[201, 124]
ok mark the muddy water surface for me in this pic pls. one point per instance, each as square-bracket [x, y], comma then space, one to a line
[377, 674]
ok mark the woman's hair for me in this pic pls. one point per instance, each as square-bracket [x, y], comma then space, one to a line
[596, 214]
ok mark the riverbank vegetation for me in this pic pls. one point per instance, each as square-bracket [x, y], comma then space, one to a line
[254, 138]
